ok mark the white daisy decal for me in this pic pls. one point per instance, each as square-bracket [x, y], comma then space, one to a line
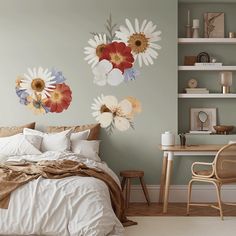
[94, 52]
[141, 39]
[38, 82]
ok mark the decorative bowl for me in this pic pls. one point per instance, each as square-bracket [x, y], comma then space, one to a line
[223, 129]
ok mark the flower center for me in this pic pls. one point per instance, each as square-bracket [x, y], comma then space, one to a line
[116, 58]
[138, 42]
[100, 49]
[104, 108]
[38, 85]
[56, 96]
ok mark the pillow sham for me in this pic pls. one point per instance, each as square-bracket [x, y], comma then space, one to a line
[9, 131]
[52, 142]
[93, 135]
[19, 144]
[88, 149]
[83, 135]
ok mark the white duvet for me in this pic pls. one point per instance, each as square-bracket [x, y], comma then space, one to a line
[69, 206]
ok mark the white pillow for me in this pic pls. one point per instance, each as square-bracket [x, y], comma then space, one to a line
[88, 149]
[76, 137]
[53, 141]
[19, 144]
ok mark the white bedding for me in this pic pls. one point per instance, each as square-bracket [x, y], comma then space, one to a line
[69, 206]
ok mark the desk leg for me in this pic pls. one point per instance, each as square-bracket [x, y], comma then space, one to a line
[168, 177]
[163, 177]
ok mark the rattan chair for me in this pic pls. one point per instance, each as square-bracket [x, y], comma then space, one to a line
[222, 171]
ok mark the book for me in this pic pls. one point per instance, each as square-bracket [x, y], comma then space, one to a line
[208, 64]
[197, 90]
[200, 131]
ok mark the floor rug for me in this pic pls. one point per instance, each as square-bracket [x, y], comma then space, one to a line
[182, 226]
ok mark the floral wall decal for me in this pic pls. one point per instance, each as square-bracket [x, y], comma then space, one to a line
[113, 114]
[43, 91]
[114, 54]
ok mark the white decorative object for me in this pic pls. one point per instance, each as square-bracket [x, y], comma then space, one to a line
[195, 28]
[167, 139]
[195, 23]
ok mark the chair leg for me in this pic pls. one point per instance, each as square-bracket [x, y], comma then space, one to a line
[145, 191]
[128, 185]
[218, 190]
[123, 183]
[189, 195]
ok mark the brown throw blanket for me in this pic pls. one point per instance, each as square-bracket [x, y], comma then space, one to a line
[12, 177]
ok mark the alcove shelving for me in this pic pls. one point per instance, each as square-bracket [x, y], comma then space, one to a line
[223, 49]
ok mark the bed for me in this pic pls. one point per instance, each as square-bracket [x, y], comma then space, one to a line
[74, 205]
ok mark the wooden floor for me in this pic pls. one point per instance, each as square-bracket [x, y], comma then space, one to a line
[176, 209]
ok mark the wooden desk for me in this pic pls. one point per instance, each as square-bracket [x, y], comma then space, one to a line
[167, 164]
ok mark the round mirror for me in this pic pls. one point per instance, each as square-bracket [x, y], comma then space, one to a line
[202, 116]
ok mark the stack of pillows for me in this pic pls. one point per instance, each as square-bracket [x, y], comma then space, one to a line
[33, 142]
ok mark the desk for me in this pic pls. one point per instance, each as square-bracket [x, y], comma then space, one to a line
[167, 164]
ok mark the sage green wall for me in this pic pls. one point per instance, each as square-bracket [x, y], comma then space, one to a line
[53, 33]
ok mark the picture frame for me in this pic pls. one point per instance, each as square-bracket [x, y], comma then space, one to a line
[197, 125]
[214, 25]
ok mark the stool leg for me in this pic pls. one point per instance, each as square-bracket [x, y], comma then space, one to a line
[128, 185]
[145, 190]
[123, 183]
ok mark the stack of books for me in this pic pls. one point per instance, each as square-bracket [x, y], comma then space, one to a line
[209, 64]
[200, 131]
[196, 90]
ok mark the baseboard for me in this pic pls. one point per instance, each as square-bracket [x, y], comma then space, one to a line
[178, 193]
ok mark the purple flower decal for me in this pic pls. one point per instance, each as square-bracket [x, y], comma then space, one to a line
[130, 74]
[59, 77]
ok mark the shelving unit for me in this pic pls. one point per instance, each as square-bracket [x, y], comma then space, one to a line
[224, 50]
[208, 68]
[210, 95]
[207, 40]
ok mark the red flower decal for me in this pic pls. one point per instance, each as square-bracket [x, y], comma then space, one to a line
[119, 55]
[60, 98]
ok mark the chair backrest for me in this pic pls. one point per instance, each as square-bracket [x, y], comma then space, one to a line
[225, 162]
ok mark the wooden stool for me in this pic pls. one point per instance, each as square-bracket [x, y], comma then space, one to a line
[126, 181]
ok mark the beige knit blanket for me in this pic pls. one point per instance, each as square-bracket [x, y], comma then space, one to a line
[12, 177]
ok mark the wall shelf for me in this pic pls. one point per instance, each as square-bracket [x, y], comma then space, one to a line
[207, 95]
[207, 68]
[207, 40]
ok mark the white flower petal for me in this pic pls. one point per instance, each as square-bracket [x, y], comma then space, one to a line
[121, 123]
[140, 60]
[129, 25]
[136, 25]
[143, 25]
[148, 27]
[92, 43]
[110, 102]
[115, 77]
[105, 119]
[105, 66]
[125, 106]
